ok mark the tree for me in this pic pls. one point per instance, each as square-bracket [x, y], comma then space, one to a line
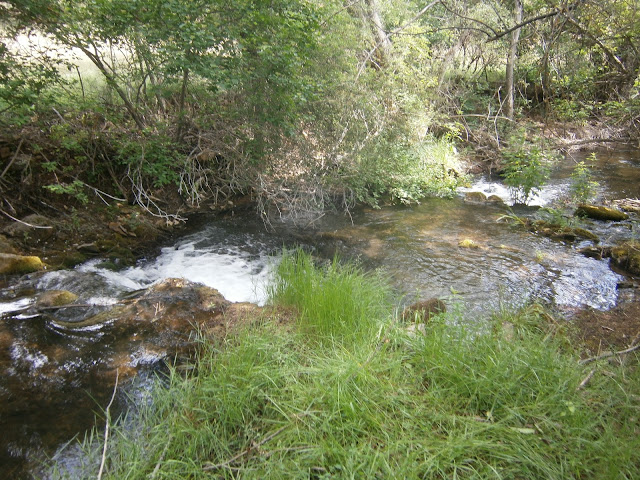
[518, 10]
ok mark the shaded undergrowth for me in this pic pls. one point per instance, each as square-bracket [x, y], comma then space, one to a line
[459, 401]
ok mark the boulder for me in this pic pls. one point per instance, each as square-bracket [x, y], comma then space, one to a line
[32, 229]
[599, 212]
[11, 264]
[6, 246]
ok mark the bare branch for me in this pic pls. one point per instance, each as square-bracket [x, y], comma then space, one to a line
[488, 27]
[499, 35]
[394, 32]
[610, 354]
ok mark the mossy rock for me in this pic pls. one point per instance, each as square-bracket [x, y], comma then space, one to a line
[147, 231]
[627, 257]
[121, 256]
[56, 298]
[475, 197]
[495, 199]
[599, 212]
[11, 264]
[468, 243]
[71, 259]
[561, 232]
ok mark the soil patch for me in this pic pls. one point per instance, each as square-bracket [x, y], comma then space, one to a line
[615, 329]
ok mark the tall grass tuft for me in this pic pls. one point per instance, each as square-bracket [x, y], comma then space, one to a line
[338, 301]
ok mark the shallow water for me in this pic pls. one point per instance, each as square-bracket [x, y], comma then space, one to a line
[53, 380]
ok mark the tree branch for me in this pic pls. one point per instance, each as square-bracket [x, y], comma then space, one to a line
[488, 27]
[394, 32]
[609, 354]
[499, 35]
[610, 55]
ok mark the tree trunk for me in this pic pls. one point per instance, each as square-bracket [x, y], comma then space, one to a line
[181, 106]
[512, 57]
[377, 24]
[111, 81]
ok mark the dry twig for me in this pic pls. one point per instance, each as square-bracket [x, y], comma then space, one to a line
[609, 354]
[106, 427]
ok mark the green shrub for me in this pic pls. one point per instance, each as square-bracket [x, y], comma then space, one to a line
[583, 188]
[406, 173]
[526, 169]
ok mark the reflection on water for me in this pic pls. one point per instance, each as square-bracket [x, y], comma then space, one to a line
[419, 248]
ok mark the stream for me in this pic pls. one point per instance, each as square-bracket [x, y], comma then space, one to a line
[54, 381]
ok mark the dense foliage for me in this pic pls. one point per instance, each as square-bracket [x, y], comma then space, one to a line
[305, 105]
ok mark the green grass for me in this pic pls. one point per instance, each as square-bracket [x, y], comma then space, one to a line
[337, 301]
[457, 402]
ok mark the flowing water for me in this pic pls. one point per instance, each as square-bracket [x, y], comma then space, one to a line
[54, 380]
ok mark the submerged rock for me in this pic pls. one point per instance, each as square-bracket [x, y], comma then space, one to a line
[599, 212]
[11, 264]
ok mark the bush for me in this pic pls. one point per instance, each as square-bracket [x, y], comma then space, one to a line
[406, 173]
[526, 169]
[583, 188]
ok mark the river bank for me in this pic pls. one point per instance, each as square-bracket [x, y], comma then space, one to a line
[421, 248]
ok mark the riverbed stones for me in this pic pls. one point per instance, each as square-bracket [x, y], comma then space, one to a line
[11, 264]
[599, 212]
